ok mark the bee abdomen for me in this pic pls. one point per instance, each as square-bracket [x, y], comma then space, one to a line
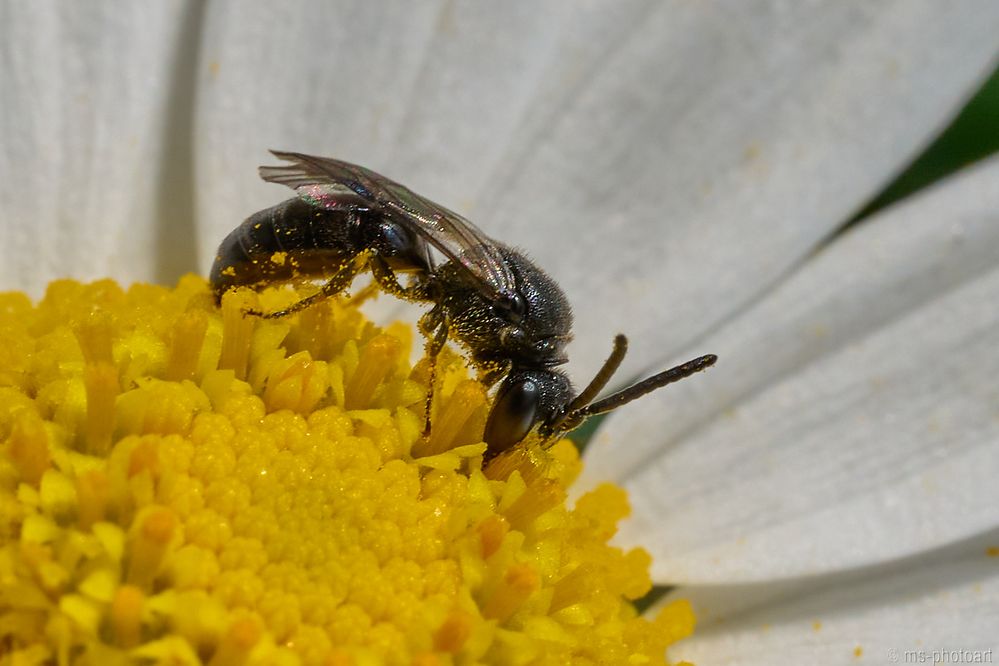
[292, 240]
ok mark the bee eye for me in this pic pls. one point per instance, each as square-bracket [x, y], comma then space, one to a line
[512, 308]
[513, 415]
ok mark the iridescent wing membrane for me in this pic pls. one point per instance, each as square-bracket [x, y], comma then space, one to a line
[329, 183]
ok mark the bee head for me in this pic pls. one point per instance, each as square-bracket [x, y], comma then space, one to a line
[526, 398]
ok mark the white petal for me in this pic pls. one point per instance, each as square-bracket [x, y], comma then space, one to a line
[709, 147]
[852, 417]
[754, 129]
[329, 78]
[423, 92]
[84, 125]
[427, 93]
[906, 612]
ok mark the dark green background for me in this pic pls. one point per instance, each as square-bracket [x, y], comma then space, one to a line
[974, 134]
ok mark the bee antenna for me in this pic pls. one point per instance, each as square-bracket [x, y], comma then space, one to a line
[576, 415]
[596, 384]
[603, 376]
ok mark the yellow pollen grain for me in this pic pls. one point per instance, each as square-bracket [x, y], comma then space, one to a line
[93, 489]
[539, 497]
[492, 530]
[149, 545]
[427, 660]
[187, 484]
[372, 369]
[453, 632]
[312, 333]
[297, 384]
[237, 329]
[469, 397]
[992, 551]
[94, 336]
[573, 587]
[529, 460]
[234, 649]
[516, 585]
[186, 340]
[125, 613]
[101, 382]
[29, 447]
[675, 621]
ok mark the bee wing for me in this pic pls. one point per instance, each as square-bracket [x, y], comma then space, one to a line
[331, 183]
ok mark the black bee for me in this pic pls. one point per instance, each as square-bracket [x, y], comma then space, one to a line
[513, 318]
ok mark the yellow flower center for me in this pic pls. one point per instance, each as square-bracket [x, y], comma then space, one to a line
[184, 484]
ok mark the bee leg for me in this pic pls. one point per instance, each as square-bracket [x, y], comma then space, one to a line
[488, 376]
[387, 279]
[340, 281]
[434, 327]
[363, 295]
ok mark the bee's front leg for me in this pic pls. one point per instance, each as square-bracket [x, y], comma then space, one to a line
[434, 326]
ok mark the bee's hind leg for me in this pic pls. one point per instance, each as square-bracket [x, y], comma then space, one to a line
[336, 284]
[387, 279]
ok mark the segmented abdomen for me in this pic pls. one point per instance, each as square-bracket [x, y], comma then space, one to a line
[289, 241]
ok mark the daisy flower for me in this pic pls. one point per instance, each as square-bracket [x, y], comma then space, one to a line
[684, 170]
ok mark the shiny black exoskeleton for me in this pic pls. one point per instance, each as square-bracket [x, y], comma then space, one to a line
[513, 319]
[522, 342]
[295, 239]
